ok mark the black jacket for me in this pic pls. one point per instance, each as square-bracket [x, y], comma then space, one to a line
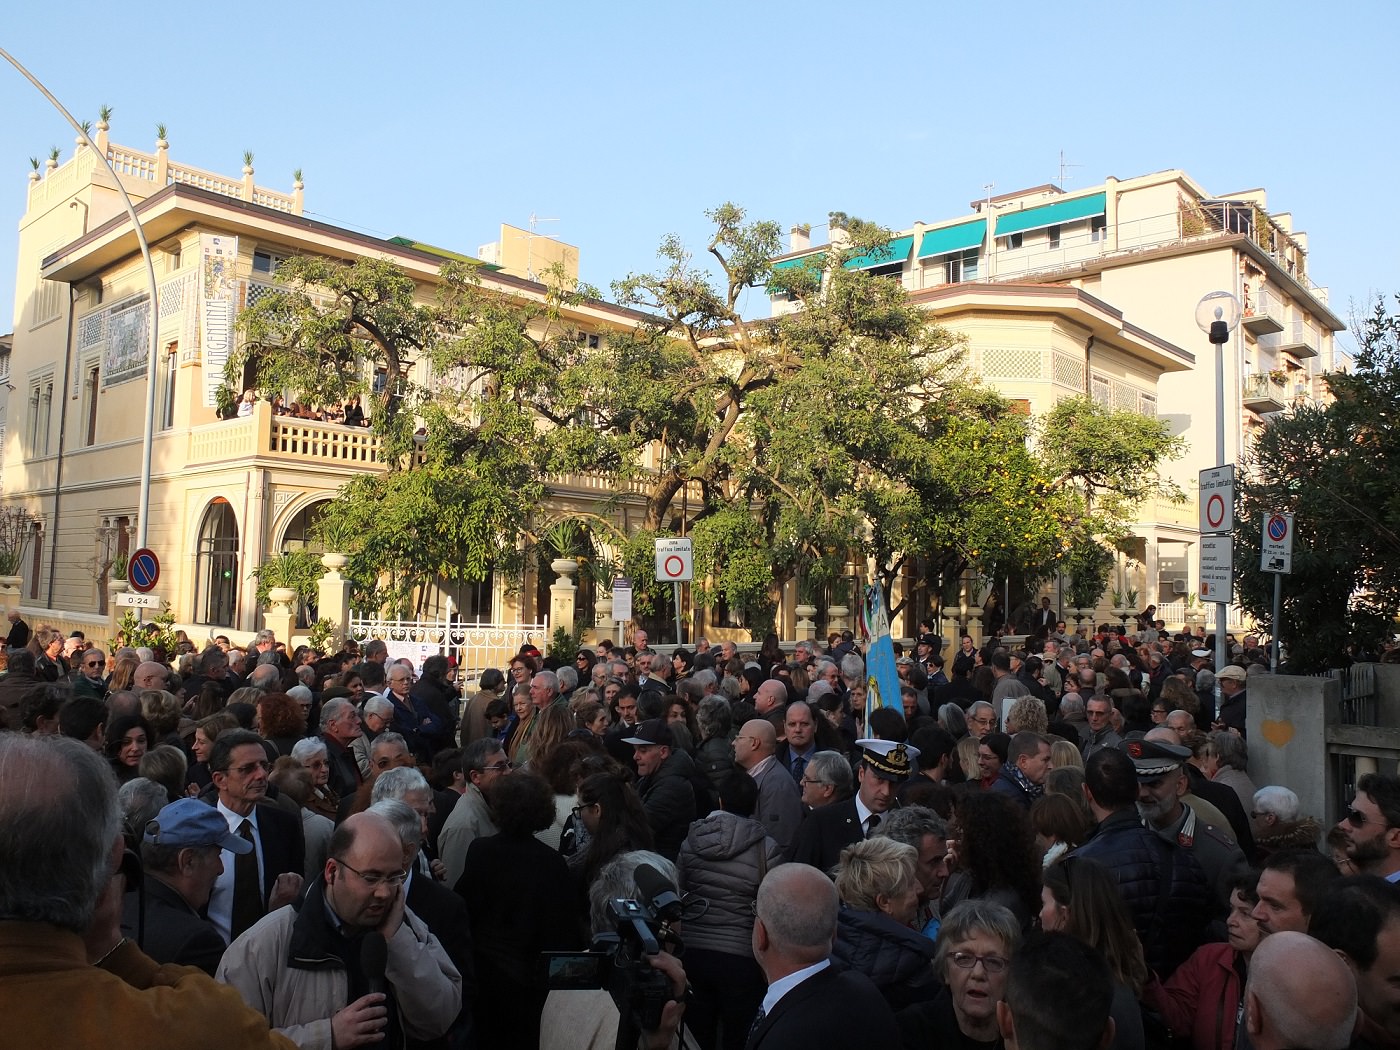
[173, 932]
[834, 1009]
[825, 832]
[1164, 887]
[897, 959]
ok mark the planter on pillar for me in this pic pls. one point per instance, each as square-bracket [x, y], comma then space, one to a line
[11, 591]
[280, 615]
[806, 628]
[115, 612]
[333, 598]
[836, 617]
[563, 594]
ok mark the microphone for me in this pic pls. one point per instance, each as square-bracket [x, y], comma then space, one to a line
[374, 958]
[657, 893]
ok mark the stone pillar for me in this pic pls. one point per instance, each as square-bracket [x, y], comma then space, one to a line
[280, 616]
[114, 611]
[836, 618]
[805, 629]
[11, 592]
[563, 594]
[333, 599]
[1288, 718]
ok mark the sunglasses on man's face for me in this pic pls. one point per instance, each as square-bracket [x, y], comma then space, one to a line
[1357, 819]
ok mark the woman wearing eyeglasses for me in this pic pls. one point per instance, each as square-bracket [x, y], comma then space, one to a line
[976, 943]
[1080, 897]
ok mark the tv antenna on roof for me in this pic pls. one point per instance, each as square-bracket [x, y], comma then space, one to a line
[535, 221]
[1064, 169]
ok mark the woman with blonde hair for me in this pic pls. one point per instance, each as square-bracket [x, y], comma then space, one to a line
[1063, 753]
[878, 883]
[966, 753]
[1027, 715]
[123, 674]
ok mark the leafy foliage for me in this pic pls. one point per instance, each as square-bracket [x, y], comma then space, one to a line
[1334, 466]
[300, 569]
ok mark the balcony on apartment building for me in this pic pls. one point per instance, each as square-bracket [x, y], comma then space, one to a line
[268, 440]
[1265, 393]
[1264, 315]
[1297, 337]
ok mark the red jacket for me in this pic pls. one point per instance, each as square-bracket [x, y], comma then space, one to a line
[1202, 998]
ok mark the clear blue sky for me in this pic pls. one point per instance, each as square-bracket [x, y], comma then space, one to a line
[626, 121]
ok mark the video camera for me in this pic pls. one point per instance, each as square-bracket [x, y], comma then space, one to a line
[617, 958]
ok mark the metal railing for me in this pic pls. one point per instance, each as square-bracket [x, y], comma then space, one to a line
[476, 646]
[1263, 387]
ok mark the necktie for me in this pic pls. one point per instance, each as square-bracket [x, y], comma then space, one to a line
[872, 822]
[799, 766]
[247, 894]
[753, 1028]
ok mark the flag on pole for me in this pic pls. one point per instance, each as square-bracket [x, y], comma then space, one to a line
[882, 678]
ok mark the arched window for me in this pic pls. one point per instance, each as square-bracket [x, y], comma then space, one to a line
[300, 531]
[300, 534]
[216, 572]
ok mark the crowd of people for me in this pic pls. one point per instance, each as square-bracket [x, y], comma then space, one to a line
[1056, 844]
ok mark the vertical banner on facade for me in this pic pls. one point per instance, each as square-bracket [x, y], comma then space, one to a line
[882, 678]
[218, 285]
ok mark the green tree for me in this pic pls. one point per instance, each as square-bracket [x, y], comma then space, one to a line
[1334, 466]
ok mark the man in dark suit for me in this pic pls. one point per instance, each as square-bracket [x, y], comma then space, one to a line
[827, 831]
[811, 1002]
[1043, 620]
[180, 857]
[262, 881]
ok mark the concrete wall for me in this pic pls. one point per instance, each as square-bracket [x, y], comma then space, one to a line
[1288, 720]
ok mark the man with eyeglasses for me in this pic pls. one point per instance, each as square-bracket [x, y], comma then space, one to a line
[1371, 827]
[826, 779]
[305, 967]
[779, 807]
[91, 679]
[259, 882]
[1098, 712]
[981, 719]
[483, 763]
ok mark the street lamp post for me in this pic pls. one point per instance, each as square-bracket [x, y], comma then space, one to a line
[1218, 314]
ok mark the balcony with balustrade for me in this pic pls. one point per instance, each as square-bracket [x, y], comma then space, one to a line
[1299, 338]
[268, 440]
[1264, 315]
[1265, 393]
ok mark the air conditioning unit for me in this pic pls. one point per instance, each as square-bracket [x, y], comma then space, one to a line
[1179, 587]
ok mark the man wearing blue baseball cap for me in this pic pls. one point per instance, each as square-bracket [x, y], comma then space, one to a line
[180, 855]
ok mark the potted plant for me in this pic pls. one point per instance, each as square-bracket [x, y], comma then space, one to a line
[561, 539]
[16, 525]
[289, 576]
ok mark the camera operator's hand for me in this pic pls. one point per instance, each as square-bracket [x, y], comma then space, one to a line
[662, 1037]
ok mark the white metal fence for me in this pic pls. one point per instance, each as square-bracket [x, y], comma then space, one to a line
[475, 646]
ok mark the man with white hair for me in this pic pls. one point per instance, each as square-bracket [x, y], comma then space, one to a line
[410, 787]
[1276, 823]
[376, 717]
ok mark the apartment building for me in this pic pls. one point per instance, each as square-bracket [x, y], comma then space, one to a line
[1145, 250]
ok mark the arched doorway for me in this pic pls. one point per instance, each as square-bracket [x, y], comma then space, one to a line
[216, 567]
[300, 534]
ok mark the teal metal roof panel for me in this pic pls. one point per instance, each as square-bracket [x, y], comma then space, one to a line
[897, 251]
[1051, 214]
[951, 239]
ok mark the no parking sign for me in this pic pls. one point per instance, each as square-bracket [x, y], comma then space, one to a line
[1276, 545]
